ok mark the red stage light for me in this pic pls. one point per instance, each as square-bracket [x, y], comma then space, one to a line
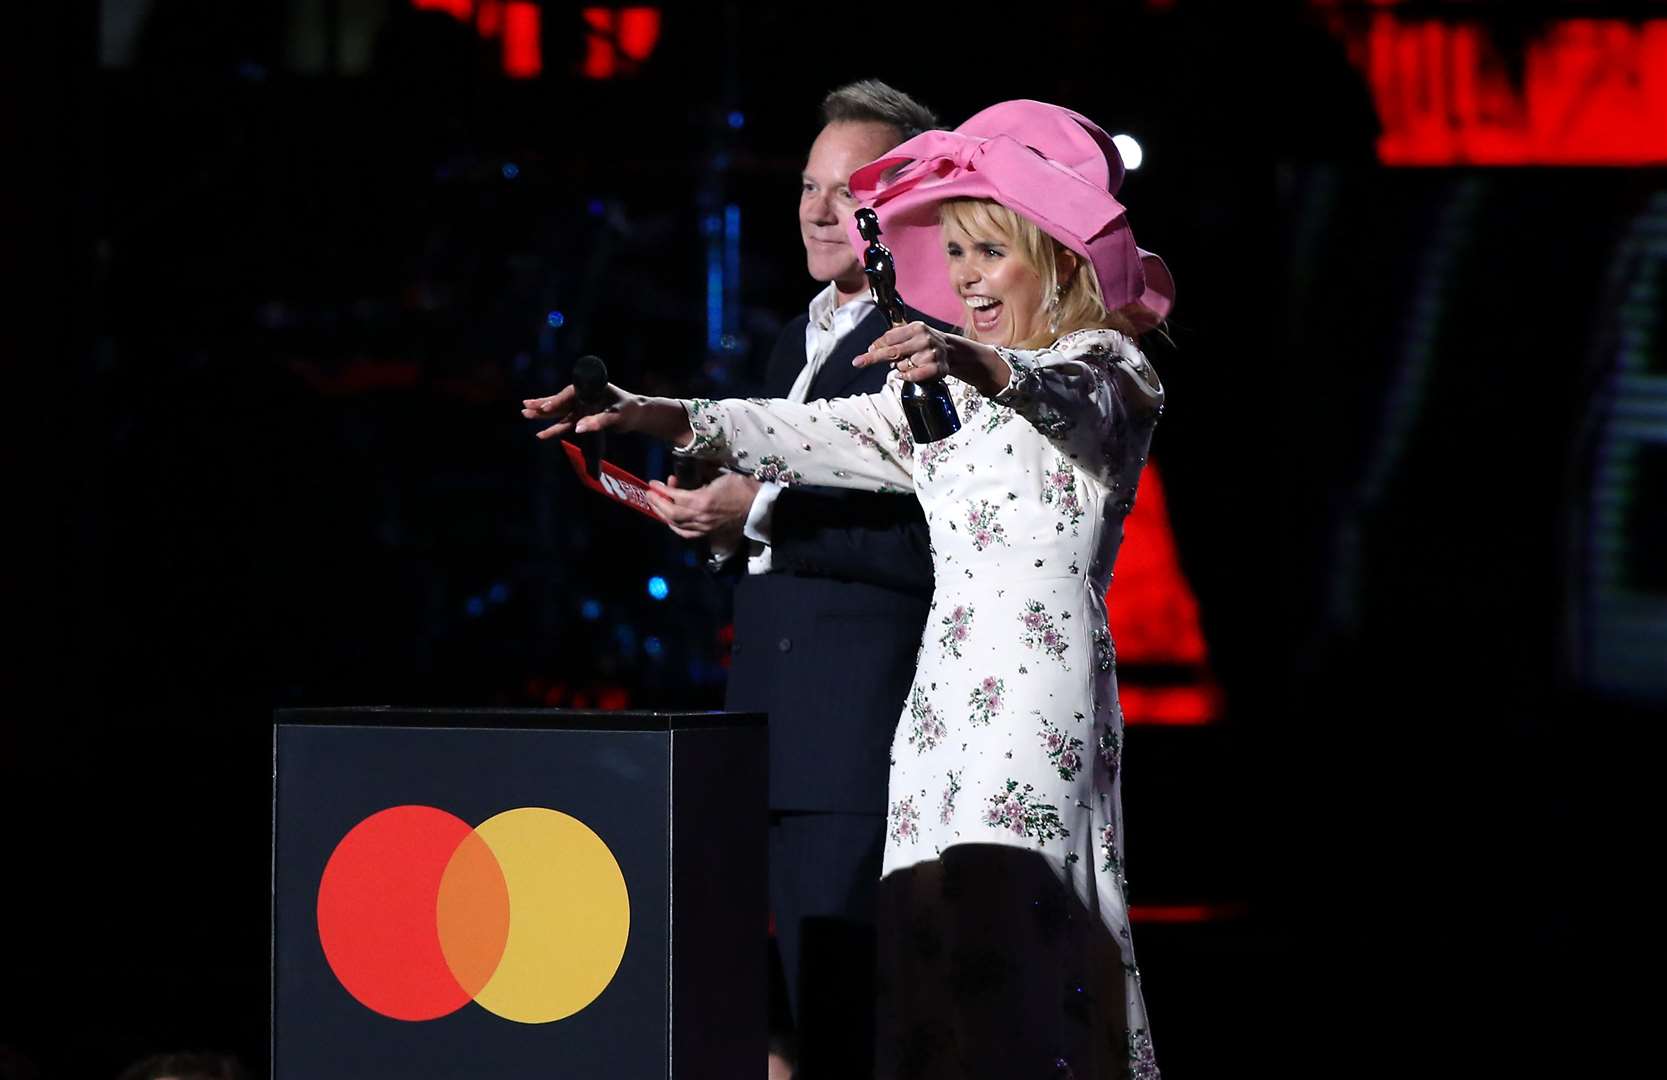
[618, 38]
[523, 58]
[1186, 913]
[457, 9]
[1154, 620]
[1153, 613]
[639, 31]
[1182, 706]
[600, 57]
[1591, 91]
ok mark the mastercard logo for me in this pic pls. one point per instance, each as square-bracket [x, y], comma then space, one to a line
[525, 914]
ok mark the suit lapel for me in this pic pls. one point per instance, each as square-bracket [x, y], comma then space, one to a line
[787, 360]
[837, 374]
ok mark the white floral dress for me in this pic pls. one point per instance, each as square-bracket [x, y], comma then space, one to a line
[1012, 733]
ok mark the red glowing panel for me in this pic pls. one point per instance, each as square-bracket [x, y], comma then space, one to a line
[458, 9]
[600, 57]
[522, 56]
[1170, 705]
[1592, 91]
[489, 18]
[639, 31]
[1186, 913]
[1153, 614]
[618, 38]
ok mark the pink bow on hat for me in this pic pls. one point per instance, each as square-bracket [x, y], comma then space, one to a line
[1049, 164]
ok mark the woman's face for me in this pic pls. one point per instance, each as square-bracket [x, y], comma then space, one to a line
[1003, 293]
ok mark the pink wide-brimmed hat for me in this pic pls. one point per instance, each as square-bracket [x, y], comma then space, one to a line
[1053, 166]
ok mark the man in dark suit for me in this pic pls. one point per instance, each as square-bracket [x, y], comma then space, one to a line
[827, 616]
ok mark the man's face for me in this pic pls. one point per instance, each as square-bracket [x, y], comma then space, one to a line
[825, 203]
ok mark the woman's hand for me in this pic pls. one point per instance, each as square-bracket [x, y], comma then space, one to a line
[919, 353]
[662, 418]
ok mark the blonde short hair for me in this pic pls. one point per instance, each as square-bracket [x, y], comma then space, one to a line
[1081, 305]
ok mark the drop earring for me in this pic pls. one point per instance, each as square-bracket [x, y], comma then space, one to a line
[1053, 308]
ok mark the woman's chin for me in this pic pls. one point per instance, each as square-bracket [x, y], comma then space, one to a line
[998, 336]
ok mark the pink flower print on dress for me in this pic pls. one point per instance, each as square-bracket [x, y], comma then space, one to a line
[999, 415]
[1142, 1064]
[946, 807]
[1040, 632]
[983, 526]
[905, 820]
[928, 729]
[1110, 861]
[986, 699]
[1016, 809]
[930, 456]
[772, 469]
[862, 438]
[1111, 751]
[957, 628]
[1064, 751]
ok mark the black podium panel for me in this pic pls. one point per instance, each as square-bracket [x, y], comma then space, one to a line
[518, 893]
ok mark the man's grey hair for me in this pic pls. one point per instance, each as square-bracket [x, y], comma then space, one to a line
[870, 101]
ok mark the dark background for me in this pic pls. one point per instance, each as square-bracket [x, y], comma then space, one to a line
[269, 321]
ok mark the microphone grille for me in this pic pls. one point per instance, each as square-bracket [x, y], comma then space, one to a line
[590, 377]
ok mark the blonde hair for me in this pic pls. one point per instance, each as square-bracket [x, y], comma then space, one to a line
[1081, 305]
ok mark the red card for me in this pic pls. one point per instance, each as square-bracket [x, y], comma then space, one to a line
[615, 482]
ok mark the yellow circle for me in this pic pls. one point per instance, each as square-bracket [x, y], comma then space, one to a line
[569, 915]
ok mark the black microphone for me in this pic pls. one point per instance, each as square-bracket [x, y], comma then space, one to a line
[691, 472]
[590, 383]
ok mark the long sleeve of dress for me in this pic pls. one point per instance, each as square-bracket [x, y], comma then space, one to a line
[1088, 394]
[858, 442]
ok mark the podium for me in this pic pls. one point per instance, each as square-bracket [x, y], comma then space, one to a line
[463, 893]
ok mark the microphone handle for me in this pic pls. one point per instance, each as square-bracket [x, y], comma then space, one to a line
[597, 450]
[690, 473]
[693, 473]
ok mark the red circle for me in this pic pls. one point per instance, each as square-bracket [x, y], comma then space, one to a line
[377, 912]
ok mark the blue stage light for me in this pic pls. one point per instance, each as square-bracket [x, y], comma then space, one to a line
[596, 207]
[556, 319]
[657, 587]
[498, 593]
[475, 607]
[590, 610]
[511, 170]
[737, 119]
[652, 646]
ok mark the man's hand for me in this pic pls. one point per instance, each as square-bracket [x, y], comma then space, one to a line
[716, 512]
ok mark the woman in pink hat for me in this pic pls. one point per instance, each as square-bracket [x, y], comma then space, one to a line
[1005, 942]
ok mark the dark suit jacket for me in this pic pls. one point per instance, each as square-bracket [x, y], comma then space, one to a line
[826, 642]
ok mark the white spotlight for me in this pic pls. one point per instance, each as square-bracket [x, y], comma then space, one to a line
[1129, 149]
